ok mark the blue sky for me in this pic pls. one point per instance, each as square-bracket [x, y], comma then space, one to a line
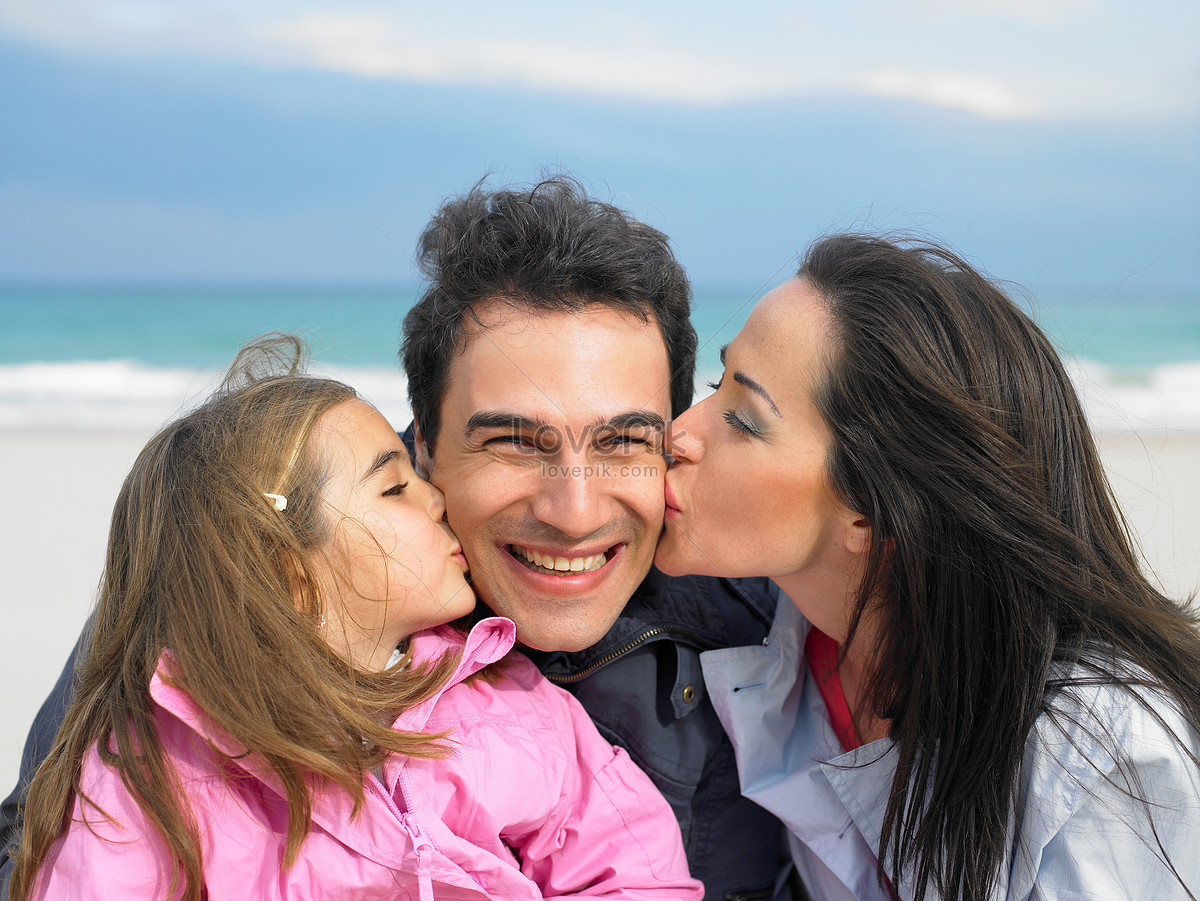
[1057, 142]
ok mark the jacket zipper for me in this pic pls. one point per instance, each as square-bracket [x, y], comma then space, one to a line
[613, 655]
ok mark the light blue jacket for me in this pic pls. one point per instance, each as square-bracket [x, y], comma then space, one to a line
[1074, 835]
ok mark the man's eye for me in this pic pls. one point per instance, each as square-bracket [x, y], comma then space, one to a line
[629, 443]
[515, 440]
[396, 490]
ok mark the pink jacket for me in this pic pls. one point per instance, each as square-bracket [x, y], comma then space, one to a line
[532, 803]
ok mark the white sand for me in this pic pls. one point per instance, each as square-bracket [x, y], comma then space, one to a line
[60, 487]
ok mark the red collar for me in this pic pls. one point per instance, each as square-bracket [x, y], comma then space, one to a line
[822, 654]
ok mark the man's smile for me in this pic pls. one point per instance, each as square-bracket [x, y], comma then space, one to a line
[556, 564]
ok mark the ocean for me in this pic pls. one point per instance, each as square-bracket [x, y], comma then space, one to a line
[129, 358]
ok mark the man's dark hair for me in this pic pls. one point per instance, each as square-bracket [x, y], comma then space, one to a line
[551, 248]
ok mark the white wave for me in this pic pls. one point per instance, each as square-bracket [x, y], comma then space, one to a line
[120, 395]
[1167, 397]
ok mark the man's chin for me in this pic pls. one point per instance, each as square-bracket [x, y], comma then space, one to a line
[555, 623]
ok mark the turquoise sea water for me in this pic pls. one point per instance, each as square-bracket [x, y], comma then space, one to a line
[90, 357]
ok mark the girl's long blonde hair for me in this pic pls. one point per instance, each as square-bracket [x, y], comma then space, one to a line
[201, 563]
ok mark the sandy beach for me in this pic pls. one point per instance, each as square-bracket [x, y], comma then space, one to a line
[60, 487]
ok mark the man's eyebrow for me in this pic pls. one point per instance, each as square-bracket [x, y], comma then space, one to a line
[745, 381]
[634, 419]
[493, 419]
[380, 461]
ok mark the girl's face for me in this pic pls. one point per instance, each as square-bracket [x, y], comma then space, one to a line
[749, 493]
[393, 566]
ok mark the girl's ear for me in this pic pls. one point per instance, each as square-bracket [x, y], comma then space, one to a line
[303, 596]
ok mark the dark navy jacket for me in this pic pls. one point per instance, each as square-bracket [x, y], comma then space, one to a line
[643, 687]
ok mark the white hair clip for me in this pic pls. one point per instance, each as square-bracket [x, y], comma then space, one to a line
[278, 500]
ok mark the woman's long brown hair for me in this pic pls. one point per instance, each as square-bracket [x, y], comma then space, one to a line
[200, 563]
[999, 559]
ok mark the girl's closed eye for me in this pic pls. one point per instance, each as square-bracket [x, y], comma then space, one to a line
[396, 490]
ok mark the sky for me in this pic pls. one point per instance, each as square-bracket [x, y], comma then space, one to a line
[1054, 142]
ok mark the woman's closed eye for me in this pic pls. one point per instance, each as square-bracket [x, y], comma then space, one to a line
[740, 425]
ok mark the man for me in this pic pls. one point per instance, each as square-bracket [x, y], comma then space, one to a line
[544, 360]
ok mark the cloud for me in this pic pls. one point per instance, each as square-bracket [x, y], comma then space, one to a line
[981, 95]
[999, 59]
[375, 46]
[1045, 12]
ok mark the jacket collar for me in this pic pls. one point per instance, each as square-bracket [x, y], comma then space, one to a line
[378, 830]
[700, 611]
[488, 641]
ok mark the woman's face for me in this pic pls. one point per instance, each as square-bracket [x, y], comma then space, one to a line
[393, 567]
[749, 494]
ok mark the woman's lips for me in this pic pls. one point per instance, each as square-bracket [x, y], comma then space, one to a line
[672, 505]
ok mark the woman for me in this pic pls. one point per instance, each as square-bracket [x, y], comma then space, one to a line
[975, 693]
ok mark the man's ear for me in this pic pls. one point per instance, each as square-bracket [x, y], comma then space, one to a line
[422, 462]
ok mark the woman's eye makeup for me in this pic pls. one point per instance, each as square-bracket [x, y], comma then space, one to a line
[741, 426]
[396, 490]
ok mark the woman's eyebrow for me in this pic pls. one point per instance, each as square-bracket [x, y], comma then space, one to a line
[745, 381]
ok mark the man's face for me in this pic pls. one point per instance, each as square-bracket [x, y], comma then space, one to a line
[550, 457]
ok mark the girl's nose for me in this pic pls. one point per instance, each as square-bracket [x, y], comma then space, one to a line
[683, 441]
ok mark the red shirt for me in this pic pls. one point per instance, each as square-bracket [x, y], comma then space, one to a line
[822, 653]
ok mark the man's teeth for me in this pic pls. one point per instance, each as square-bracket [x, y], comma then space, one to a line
[565, 565]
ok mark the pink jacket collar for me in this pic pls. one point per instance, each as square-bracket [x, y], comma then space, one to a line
[489, 641]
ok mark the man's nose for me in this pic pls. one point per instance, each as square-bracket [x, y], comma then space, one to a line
[575, 498]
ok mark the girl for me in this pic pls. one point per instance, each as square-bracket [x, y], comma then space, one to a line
[974, 693]
[273, 707]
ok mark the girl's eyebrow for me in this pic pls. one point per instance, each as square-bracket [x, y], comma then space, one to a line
[381, 460]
